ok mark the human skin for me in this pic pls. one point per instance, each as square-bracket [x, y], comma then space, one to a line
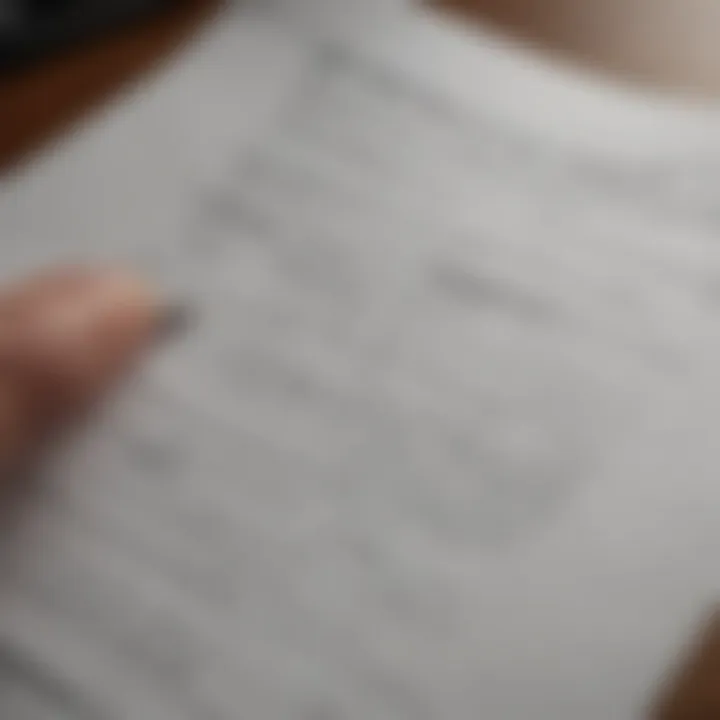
[66, 336]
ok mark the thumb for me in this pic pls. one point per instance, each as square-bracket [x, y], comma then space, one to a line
[64, 338]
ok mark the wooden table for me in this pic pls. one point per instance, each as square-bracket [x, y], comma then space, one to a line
[40, 102]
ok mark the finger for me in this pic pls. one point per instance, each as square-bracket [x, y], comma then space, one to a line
[64, 337]
[15, 429]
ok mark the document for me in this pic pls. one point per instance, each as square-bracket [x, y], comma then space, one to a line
[441, 439]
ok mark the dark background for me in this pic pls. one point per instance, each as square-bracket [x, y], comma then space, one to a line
[43, 97]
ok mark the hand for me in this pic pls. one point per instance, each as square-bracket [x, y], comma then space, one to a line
[65, 336]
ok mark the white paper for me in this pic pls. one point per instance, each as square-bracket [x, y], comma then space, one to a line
[441, 443]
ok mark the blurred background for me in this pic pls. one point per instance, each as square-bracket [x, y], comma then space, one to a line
[671, 43]
[58, 57]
